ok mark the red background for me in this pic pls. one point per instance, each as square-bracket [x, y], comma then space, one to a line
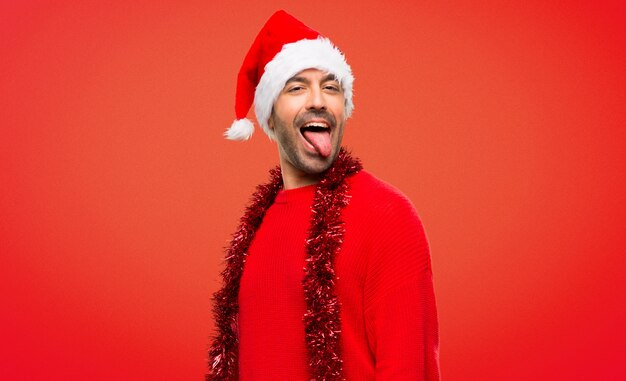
[503, 123]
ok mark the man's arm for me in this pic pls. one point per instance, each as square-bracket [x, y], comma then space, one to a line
[400, 310]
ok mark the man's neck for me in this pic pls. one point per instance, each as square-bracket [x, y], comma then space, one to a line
[298, 179]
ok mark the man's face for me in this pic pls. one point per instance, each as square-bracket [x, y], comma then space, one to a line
[307, 120]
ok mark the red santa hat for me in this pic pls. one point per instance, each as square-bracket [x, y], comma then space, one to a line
[283, 48]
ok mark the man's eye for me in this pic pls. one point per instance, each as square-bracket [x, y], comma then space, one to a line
[332, 87]
[294, 89]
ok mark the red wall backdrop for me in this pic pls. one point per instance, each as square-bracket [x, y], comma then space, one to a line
[503, 122]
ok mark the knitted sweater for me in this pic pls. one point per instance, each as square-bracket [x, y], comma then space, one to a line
[389, 325]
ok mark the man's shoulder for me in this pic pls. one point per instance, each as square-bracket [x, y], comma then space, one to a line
[377, 195]
[366, 184]
[384, 212]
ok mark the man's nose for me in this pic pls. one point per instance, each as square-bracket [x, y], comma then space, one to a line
[316, 100]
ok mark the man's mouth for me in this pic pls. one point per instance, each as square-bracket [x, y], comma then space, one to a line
[317, 134]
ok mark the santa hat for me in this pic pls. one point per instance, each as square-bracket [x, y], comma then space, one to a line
[283, 48]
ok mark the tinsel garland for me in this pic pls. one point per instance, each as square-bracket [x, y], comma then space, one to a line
[322, 323]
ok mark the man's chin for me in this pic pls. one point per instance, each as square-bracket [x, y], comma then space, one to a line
[314, 168]
[317, 164]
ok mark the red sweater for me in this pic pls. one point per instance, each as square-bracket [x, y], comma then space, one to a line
[388, 316]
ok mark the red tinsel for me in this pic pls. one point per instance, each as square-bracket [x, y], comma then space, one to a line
[322, 323]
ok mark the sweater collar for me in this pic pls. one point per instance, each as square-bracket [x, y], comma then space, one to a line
[290, 196]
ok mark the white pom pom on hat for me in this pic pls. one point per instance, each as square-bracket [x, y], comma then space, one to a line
[283, 48]
[241, 129]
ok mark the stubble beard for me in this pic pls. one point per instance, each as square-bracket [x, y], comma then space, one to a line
[312, 165]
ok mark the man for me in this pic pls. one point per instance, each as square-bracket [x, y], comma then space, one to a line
[337, 282]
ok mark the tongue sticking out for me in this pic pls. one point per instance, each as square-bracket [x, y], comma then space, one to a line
[320, 140]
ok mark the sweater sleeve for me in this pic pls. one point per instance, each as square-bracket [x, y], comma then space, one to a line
[400, 311]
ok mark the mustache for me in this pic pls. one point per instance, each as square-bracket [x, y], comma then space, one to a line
[315, 114]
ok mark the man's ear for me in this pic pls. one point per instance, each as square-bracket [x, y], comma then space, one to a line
[270, 121]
